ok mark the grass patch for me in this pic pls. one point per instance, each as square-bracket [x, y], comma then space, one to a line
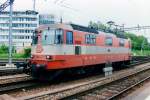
[15, 56]
[26, 54]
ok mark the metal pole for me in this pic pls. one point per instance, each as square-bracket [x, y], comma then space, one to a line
[142, 45]
[123, 27]
[34, 2]
[10, 32]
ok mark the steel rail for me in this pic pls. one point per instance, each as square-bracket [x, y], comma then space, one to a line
[127, 89]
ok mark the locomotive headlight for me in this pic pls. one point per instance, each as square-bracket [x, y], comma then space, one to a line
[31, 56]
[48, 57]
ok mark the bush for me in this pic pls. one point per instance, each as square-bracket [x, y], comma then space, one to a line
[27, 52]
[4, 49]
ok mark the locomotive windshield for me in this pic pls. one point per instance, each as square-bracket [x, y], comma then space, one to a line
[52, 36]
[48, 37]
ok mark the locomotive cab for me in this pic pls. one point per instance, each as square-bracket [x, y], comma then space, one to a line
[48, 37]
[45, 43]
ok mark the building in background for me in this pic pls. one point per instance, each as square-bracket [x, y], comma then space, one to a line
[47, 19]
[24, 24]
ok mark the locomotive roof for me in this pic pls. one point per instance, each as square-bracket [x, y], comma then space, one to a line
[84, 29]
[58, 25]
[72, 27]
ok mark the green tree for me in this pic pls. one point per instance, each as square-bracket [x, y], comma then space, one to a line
[97, 25]
[138, 42]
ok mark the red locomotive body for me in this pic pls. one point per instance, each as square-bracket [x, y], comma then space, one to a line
[65, 46]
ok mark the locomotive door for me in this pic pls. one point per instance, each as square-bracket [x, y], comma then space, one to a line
[77, 50]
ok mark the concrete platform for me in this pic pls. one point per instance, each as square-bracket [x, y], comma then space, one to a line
[142, 93]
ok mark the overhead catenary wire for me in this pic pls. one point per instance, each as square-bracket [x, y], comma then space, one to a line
[68, 7]
[137, 28]
[62, 1]
[63, 4]
[56, 1]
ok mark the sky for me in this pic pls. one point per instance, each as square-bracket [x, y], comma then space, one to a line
[128, 12]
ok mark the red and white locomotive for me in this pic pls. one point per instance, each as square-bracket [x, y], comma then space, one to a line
[66, 46]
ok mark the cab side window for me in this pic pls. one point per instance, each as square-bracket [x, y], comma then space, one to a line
[87, 39]
[108, 41]
[69, 37]
[121, 43]
[90, 39]
[58, 36]
[48, 37]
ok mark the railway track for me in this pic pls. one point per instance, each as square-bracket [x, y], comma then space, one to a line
[74, 91]
[112, 90]
[8, 83]
[14, 78]
[11, 71]
[5, 70]
[4, 89]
